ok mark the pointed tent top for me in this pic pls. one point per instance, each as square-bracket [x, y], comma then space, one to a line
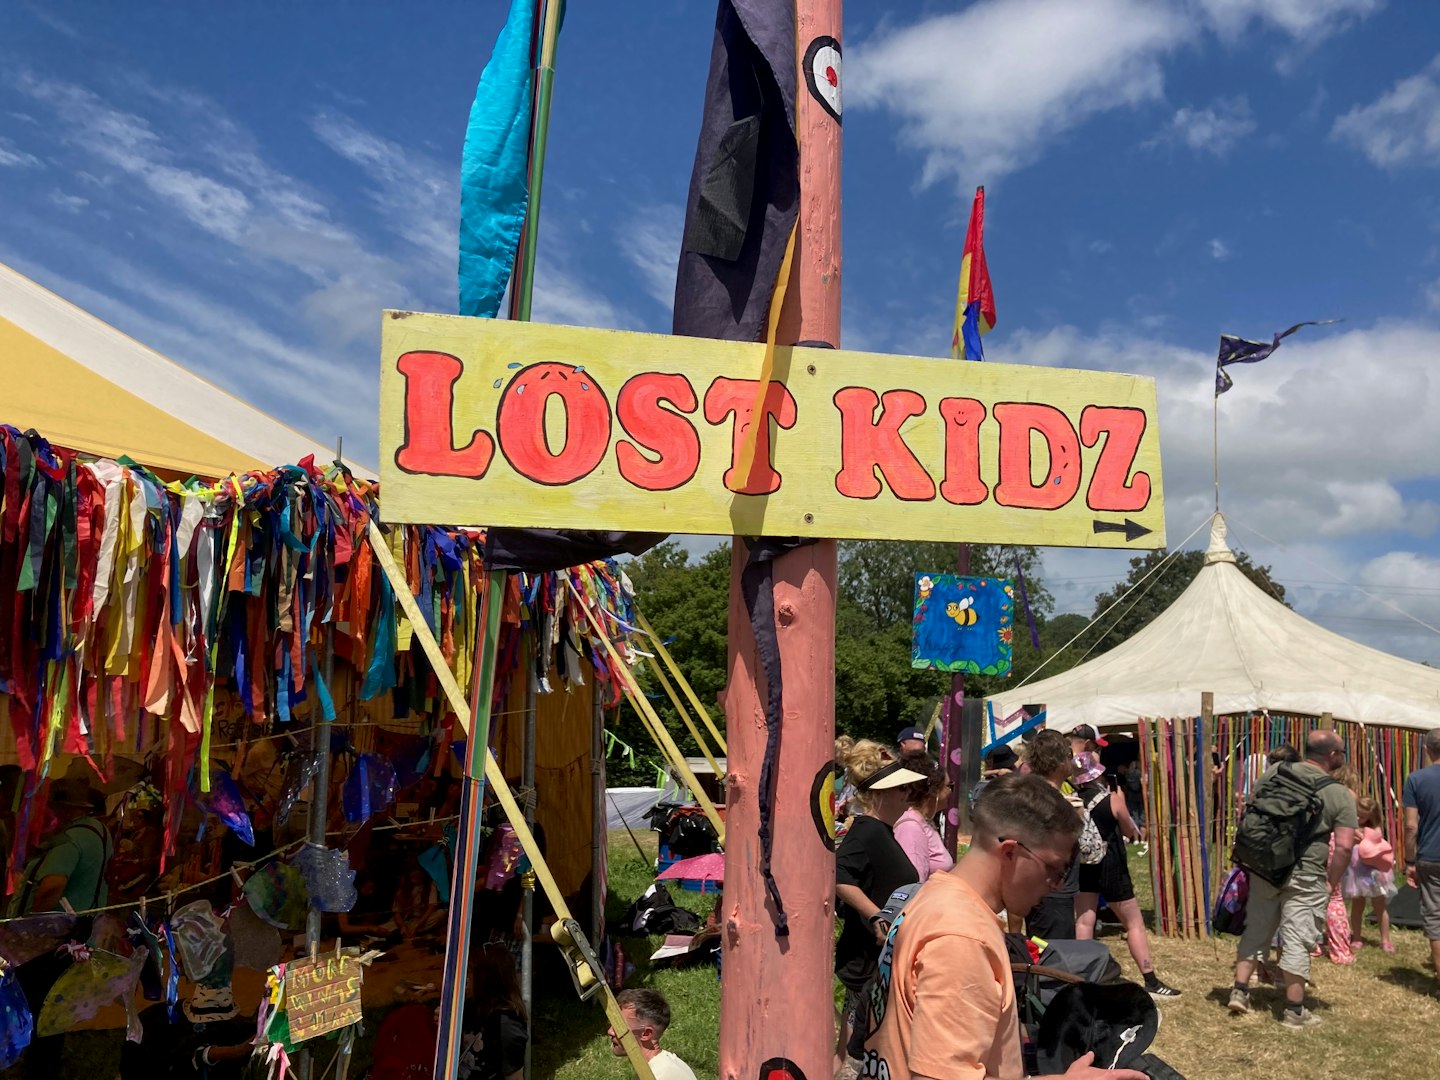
[1218, 551]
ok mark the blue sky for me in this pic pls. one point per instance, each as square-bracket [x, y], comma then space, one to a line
[245, 187]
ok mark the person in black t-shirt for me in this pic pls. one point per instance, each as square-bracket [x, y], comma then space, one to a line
[1110, 877]
[869, 864]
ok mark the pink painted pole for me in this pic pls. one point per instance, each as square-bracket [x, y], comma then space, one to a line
[777, 1012]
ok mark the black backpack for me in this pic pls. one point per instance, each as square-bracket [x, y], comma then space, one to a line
[656, 912]
[1279, 822]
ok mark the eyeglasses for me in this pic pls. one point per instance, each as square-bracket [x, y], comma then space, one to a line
[1052, 875]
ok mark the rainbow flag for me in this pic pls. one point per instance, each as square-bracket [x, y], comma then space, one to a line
[975, 302]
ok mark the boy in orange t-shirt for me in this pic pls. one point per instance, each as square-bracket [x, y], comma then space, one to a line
[944, 997]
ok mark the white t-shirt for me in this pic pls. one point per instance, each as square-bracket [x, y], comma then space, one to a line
[666, 1066]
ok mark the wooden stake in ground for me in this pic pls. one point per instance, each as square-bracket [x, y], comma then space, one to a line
[776, 1012]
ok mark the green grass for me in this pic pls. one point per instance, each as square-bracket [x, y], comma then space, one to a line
[570, 1038]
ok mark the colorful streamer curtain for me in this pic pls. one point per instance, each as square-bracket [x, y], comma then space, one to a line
[126, 598]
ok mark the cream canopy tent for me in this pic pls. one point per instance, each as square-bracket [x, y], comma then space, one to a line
[84, 385]
[1225, 635]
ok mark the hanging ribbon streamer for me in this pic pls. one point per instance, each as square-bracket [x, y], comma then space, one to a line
[1025, 603]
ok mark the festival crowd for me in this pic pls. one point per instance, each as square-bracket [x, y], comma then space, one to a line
[933, 953]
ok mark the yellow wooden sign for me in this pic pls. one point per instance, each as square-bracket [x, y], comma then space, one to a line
[490, 422]
[322, 995]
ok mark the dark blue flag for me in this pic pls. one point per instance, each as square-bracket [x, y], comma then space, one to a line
[1237, 350]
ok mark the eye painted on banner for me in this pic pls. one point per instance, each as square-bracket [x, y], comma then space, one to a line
[779, 1068]
[822, 73]
[822, 806]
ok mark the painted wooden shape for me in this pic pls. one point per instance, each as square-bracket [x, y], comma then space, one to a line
[490, 422]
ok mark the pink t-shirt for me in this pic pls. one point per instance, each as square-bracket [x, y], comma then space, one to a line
[922, 844]
[946, 991]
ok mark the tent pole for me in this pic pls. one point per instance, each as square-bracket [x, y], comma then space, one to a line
[320, 790]
[527, 880]
[467, 839]
[600, 836]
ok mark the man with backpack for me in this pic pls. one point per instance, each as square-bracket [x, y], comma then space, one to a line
[71, 867]
[1283, 841]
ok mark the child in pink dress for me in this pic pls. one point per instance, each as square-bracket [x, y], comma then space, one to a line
[1336, 943]
[1371, 875]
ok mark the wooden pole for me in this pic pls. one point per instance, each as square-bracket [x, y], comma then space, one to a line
[775, 999]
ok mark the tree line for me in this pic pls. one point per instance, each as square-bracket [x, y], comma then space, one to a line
[877, 692]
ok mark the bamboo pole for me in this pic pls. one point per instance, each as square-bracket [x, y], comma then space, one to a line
[685, 718]
[1181, 755]
[680, 680]
[1165, 823]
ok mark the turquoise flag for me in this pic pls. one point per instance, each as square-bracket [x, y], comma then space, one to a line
[493, 193]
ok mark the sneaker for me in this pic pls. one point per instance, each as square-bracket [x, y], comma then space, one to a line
[1239, 1002]
[1303, 1019]
[1143, 848]
[1160, 991]
[1387, 946]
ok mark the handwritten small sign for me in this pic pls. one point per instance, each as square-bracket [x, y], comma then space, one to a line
[322, 995]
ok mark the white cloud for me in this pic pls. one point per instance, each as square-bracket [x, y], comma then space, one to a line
[650, 241]
[12, 158]
[1214, 129]
[1282, 464]
[1402, 126]
[980, 91]
[1432, 295]
[71, 203]
[1101, 247]
[1304, 20]
[416, 196]
[1305, 483]
[1219, 250]
[562, 298]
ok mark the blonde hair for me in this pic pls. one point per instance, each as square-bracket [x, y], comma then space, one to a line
[861, 759]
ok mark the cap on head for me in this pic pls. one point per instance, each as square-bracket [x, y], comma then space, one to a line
[910, 733]
[1088, 733]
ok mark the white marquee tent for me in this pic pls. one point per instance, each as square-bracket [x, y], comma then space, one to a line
[1226, 635]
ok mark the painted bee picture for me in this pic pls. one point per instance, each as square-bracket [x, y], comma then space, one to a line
[963, 611]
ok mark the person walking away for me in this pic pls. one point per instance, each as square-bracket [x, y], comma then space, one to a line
[1421, 803]
[1110, 877]
[915, 830]
[1053, 917]
[869, 866]
[944, 1006]
[647, 1014]
[1295, 903]
[70, 867]
[1371, 875]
